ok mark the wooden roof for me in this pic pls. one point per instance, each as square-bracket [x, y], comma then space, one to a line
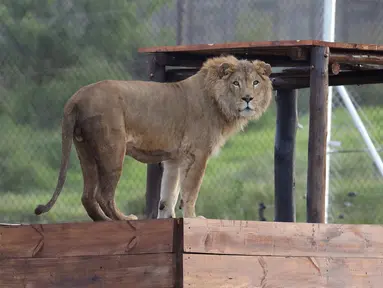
[267, 47]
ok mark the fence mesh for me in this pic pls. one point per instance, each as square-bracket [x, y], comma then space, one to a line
[51, 48]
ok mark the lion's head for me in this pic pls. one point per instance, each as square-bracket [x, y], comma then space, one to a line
[242, 88]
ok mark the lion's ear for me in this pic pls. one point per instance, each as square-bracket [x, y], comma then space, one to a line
[225, 69]
[262, 67]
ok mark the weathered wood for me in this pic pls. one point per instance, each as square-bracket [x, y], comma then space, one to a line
[275, 45]
[343, 78]
[282, 239]
[290, 81]
[368, 58]
[317, 135]
[154, 171]
[178, 246]
[138, 271]
[257, 254]
[87, 238]
[359, 67]
[284, 154]
[196, 61]
[216, 271]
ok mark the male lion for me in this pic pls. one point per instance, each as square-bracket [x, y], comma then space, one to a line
[180, 124]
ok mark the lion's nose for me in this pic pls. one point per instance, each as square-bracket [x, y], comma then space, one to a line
[247, 98]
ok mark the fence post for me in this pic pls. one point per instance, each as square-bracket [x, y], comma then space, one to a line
[317, 135]
[154, 171]
[284, 154]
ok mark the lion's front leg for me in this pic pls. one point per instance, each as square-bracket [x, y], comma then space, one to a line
[169, 189]
[191, 185]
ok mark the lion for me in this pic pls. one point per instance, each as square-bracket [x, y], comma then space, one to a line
[180, 124]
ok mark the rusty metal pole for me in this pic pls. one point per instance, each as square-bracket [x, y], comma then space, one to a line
[154, 171]
[284, 154]
[317, 135]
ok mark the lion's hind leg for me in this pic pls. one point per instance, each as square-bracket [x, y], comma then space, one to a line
[110, 153]
[90, 176]
[108, 185]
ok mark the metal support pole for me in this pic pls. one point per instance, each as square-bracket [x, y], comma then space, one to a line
[316, 182]
[154, 171]
[284, 154]
[328, 35]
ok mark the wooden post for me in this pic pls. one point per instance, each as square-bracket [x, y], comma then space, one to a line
[284, 153]
[154, 171]
[317, 135]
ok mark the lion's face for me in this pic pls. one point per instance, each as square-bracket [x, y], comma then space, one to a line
[250, 92]
[244, 88]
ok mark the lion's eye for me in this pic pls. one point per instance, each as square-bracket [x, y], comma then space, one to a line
[236, 83]
[255, 83]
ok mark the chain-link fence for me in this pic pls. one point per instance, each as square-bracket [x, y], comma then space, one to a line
[50, 48]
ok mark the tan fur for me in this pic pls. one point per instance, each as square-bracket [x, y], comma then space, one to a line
[180, 124]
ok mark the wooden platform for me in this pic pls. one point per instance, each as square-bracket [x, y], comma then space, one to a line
[191, 253]
[296, 64]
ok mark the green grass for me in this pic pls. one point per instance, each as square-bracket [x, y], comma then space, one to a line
[236, 181]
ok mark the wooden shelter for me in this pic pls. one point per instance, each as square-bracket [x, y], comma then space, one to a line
[305, 64]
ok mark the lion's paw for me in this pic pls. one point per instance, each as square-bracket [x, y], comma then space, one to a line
[131, 217]
[201, 217]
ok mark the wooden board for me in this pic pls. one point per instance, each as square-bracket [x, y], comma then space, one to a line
[87, 238]
[232, 46]
[282, 239]
[138, 271]
[221, 271]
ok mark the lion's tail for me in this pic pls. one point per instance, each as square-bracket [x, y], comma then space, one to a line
[69, 121]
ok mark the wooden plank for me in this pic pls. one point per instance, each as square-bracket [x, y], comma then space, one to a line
[261, 44]
[139, 271]
[343, 78]
[356, 59]
[317, 147]
[87, 238]
[196, 60]
[224, 46]
[290, 81]
[282, 239]
[213, 271]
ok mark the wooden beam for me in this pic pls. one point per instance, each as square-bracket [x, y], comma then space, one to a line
[317, 135]
[284, 155]
[349, 58]
[154, 171]
[251, 47]
[298, 78]
[216, 271]
[196, 61]
[139, 271]
[210, 236]
[343, 78]
[87, 238]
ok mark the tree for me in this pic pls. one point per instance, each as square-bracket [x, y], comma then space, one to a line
[50, 48]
